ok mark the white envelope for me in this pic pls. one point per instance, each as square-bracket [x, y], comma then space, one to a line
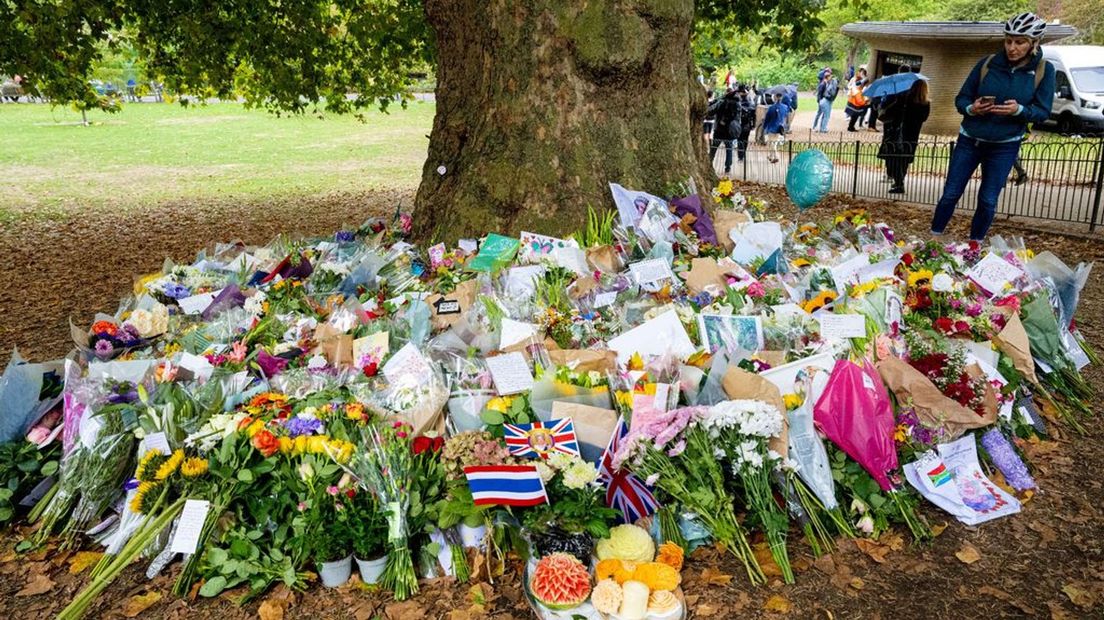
[658, 336]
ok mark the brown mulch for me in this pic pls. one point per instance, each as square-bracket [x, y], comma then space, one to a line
[1046, 562]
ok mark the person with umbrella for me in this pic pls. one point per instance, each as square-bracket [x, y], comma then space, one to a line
[902, 119]
[1003, 94]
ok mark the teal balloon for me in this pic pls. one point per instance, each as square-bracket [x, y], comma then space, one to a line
[809, 178]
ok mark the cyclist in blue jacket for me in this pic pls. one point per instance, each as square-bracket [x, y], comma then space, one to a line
[1002, 95]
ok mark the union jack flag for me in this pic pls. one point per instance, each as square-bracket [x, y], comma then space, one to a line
[624, 491]
[541, 439]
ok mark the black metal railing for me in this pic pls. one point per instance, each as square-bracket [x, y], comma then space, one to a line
[1065, 177]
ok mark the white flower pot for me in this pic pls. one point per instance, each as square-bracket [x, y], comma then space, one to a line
[472, 536]
[336, 573]
[371, 570]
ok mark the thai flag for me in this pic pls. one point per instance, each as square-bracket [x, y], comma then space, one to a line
[540, 439]
[506, 485]
[624, 491]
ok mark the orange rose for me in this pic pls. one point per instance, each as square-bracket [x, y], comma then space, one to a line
[266, 443]
[244, 423]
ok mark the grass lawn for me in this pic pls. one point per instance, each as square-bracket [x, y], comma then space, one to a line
[153, 153]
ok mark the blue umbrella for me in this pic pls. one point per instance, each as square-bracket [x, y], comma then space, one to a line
[892, 84]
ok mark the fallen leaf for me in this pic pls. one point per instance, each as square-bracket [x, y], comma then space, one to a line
[876, 550]
[825, 564]
[79, 562]
[1056, 611]
[39, 584]
[139, 603]
[857, 583]
[1046, 533]
[704, 611]
[714, 577]
[968, 554]
[406, 610]
[936, 530]
[1079, 596]
[994, 592]
[778, 604]
[766, 561]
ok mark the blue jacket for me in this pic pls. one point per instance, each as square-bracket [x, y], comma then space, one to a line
[775, 120]
[1004, 82]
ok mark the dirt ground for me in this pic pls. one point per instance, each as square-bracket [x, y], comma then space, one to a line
[1046, 562]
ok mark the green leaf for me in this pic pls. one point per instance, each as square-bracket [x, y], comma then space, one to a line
[216, 556]
[877, 500]
[50, 468]
[493, 418]
[213, 586]
[24, 545]
[245, 475]
[28, 466]
[6, 513]
[5, 494]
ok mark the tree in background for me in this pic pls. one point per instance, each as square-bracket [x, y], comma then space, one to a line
[540, 103]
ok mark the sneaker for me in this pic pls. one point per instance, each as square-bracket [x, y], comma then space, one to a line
[896, 189]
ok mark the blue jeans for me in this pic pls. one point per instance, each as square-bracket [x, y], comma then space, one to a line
[824, 112]
[996, 161]
[728, 153]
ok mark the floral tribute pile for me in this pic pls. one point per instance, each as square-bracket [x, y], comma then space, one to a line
[586, 410]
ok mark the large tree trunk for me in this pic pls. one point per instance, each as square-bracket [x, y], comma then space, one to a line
[542, 103]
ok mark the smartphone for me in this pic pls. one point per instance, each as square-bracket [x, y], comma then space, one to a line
[990, 99]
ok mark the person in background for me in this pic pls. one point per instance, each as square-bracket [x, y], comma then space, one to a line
[707, 123]
[725, 112]
[747, 120]
[872, 120]
[790, 99]
[820, 79]
[826, 95]
[1021, 174]
[857, 103]
[1002, 95]
[906, 115]
[774, 126]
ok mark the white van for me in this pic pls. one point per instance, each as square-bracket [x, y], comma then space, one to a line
[1078, 88]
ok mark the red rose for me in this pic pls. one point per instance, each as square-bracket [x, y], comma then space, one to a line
[961, 327]
[438, 443]
[421, 444]
[944, 325]
[907, 259]
[351, 493]
[266, 443]
[371, 369]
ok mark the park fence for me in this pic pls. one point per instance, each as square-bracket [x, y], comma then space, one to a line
[1065, 177]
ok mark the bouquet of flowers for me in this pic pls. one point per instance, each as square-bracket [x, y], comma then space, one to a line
[575, 513]
[674, 453]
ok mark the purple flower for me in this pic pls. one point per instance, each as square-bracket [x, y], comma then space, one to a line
[104, 348]
[176, 291]
[1007, 461]
[344, 236]
[677, 449]
[270, 365]
[302, 426]
[973, 309]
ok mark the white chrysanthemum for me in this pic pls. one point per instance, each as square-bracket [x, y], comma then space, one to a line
[255, 303]
[942, 282]
[546, 472]
[337, 269]
[560, 461]
[579, 475]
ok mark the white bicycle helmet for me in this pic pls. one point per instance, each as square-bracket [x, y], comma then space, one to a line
[1027, 25]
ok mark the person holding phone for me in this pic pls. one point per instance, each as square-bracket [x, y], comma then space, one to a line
[1002, 95]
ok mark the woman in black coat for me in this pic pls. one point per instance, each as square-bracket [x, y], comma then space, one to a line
[903, 117]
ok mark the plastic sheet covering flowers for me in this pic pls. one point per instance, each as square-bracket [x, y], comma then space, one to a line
[286, 387]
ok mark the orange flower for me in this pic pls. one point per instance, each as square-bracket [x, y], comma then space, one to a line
[266, 443]
[105, 327]
[671, 555]
[244, 423]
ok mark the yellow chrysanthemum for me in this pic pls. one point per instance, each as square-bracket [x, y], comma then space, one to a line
[920, 278]
[354, 411]
[286, 445]
[300, 445]
[316, 444]
[792, 401]
[725, 187]
[193, 467]
[170, 466]
[500, 404]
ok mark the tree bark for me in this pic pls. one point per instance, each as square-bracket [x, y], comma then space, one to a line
[541, 104]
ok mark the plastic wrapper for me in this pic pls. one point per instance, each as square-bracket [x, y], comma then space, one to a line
[1067, 282]
[856, 414]
[548, 390]
[20, 386]
[806, 446]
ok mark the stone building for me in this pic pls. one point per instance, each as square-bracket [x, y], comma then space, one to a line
[943, 51]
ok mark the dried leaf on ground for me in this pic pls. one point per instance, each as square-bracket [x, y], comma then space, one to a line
[858, 583]
[79, 562]
[778, 604]
[968, 554]
[139, 603]
[1079, 596]
[714, 577]
[39, 584]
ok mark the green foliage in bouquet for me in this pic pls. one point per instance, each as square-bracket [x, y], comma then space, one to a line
[576, 502]
[22, 466]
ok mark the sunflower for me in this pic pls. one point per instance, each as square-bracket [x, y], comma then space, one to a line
[822, 299]
[193, 467]
[860, 290]
[170, 465]
[142, 500]
[919, 278]
[800, 262]
[148, 463]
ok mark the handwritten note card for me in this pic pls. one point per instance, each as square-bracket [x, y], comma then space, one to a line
[406, 362]
[510, 373]
[649, 271]
[190, 526]
[992, 273]
[840, 326]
